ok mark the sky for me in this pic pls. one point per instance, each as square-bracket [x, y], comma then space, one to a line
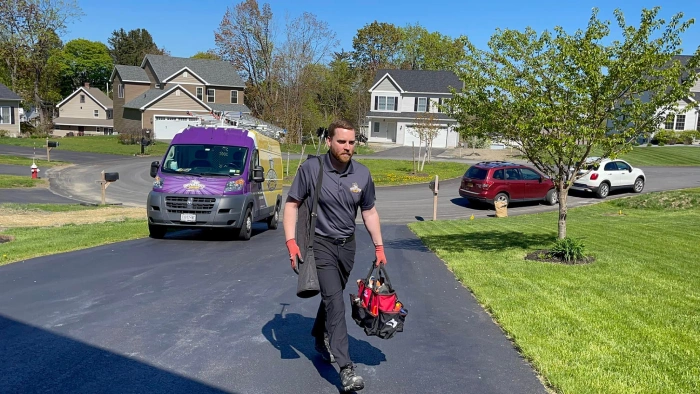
[187, 27]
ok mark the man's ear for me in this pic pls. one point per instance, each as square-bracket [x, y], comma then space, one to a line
[328, 142]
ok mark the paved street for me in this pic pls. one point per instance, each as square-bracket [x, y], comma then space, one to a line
[191, 315]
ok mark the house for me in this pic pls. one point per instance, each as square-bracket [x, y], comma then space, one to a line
[86, 111]
[682, 119]
[166, 93]
[9, 112]
[399, 96]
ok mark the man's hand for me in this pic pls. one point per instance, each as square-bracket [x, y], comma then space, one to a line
[379, 254]
[294, 252]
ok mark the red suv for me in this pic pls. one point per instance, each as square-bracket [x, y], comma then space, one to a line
[492, 181]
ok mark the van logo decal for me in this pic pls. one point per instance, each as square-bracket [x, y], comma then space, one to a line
[355, 188]
[193, 185]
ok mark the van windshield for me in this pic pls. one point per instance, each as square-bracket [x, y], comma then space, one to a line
[214, 160]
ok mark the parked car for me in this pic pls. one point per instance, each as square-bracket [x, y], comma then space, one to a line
[503, 181]
[600, 176]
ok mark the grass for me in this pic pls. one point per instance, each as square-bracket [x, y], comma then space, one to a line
[30, 242]
[18, 181]
[310, 149]
[19, 208]
[399, 172]
[662, 156]
[107, 144]
[27, 161]
[627, 323]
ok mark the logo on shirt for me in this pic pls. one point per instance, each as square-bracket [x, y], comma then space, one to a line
[355, 188]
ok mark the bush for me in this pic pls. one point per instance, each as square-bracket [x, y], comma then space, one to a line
[689, 136]
[663, 137]
[568, 249]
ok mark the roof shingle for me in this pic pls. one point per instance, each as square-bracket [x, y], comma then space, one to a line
[7, 94]
[214, 72]
[422, 81]
[100, 96]
[132, 73]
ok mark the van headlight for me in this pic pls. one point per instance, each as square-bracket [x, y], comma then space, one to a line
[158, 183]
[234, 186]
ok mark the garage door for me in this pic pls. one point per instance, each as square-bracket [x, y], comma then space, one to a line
[412, 137]
[165, 127]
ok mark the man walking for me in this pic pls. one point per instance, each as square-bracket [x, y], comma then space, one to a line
[347, 185]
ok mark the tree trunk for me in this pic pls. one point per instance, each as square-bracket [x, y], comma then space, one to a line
[38, 102]
[563, 209]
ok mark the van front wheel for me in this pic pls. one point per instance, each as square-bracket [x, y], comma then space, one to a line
[273, 221]
[247, 226]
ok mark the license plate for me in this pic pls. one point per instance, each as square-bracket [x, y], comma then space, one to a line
[188, 217]
[470, 184]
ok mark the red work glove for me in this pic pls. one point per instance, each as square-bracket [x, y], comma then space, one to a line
[294, 252]
[379, 254]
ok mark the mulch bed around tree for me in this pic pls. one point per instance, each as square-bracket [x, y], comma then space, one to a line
[543, 256]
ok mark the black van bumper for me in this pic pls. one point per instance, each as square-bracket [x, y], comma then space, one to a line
[196, 211]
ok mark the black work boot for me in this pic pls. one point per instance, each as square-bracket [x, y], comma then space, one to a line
[324, 349]
[349, 380]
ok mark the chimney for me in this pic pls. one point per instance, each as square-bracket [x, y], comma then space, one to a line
[87, 85]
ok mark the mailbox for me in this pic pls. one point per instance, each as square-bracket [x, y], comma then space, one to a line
[431, 185]
[52, 144]
[111, 176]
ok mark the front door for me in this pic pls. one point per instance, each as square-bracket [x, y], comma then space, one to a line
[81, 130]
[256, 188]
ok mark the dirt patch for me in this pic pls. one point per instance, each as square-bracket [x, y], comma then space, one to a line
[543, 256]
[15, 218]
[6, 238]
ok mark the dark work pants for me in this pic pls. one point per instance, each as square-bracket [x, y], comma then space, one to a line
[333, 264]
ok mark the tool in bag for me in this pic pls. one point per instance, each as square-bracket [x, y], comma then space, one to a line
[376, 307]
[307, 283]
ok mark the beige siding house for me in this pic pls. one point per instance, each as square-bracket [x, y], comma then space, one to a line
[86, 111]
[170, 92]
[9, 112]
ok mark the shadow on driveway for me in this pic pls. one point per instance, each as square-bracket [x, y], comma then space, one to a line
[291, 334]
[36, 360]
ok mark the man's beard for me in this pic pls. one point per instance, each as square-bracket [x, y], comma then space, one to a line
[341, 156]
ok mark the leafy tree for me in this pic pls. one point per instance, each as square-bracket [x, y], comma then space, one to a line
[245, 38]
[30, 31]
[129, 48]
[426, 127]
[559, 95]
[376, 46]
[423, 50]
[208, 55]
[84, 61]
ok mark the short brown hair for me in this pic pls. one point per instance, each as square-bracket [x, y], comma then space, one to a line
[339, 124]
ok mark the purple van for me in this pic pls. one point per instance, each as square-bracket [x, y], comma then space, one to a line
[215, 177]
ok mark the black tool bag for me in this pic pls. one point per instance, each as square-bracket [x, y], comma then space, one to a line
[307, 284]
[376, 306]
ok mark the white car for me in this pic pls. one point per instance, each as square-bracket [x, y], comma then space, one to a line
[600, 176]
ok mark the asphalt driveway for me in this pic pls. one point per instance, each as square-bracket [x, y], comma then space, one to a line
[193, 315]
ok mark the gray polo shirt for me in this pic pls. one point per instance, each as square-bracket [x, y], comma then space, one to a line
[341, 194]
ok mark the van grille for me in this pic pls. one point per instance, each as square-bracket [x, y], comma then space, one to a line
[175, 204]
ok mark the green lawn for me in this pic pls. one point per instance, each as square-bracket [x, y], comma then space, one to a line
[13, 207]
[17, 181]
[398, 172]
[310, 149]
[27, 161]
[628, 323]
[30, 242]
[663, 156]
[97, 144]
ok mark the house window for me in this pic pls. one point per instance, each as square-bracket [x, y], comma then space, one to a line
[184, 74]
[157, 86]
[177, 92]
[57, 127]
[668, 125]
[109, 114]
[120, 91]
[439, 107]
[680, 122]
[375, 127]
[82, 99]
[210, 95]
[5, 115]
[385, 103]
[234, 97]
[200, 93]
[421, 104]
[96, 113]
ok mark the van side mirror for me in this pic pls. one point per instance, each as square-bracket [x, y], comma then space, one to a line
[154, 168]
[258, 174]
